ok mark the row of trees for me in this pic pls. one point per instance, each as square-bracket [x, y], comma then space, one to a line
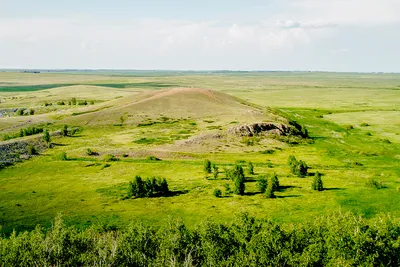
[334, 240]
[154, 186]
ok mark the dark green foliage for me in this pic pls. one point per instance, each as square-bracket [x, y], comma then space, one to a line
[372, 183]
[234, 172]
[215, 171]
[154, 186]
[24, 132]
[228, 189]
[317, 182]
[62, 156]
[262, 183]
[32, 150]
[334, 240]
[250, 168]
[110, 158]
[239, 185]
[217, 192]
[60, 103]
[82, 103]
[298, 168]
[20, 112]
[269, 192]
[275, 182]
[153, 158]
[46, 136]
[73, 101]
[207, 166]
[31, 111]
[348, 127]
[91, 152]
[64, 130]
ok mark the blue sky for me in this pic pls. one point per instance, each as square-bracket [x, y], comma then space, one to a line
[340, 35]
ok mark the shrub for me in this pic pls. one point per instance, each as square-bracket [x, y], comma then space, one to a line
[82, 103]
[298, 168]
[317, 182]
[32, 150]
[147, 188]
[275, 182]
[364, 124]
[122, 120]
[250, 168]
[207, 166]
[269, 192]
[239, 184]
[228, 189]
[73, 101]
[234, 172]
[91, 102]
[372, 183]
[217, 192]
[20, 112]
[62, 156]
[262, 183]
[348, 127]
[215, 171]
[90, 152]
[31, 111]
[109, 158]
[64, 131]
[61, 103]
[153, 158]
[46, 137]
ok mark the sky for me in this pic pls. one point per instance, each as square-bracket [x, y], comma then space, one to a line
[307, 35]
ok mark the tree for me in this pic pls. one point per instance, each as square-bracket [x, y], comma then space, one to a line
[31, 111]
[215, 171]
[207, 166]
[269, 193]
[262, 183]
[250, 168]
[64, 131]
[301, 169]
[46, 137]
[275, 182]
[239, 185]
[32, 150]
[73, 101]
[317, 182]
[163, 187]
[136, 187]
[20, 112]
[122, 120]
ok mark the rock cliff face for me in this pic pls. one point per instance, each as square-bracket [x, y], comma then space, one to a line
[265, 128]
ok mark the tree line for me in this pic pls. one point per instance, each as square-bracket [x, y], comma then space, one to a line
[339, 239]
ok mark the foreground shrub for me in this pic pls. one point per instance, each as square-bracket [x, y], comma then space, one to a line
[335, 240]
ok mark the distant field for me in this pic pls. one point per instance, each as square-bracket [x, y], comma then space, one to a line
[352, 119]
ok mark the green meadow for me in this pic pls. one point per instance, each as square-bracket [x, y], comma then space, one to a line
[353, 123]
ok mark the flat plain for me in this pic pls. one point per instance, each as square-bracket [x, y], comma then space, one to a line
[182, 118]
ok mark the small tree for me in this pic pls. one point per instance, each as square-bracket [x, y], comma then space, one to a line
[262, 183]
[215, 171]
[20, 112]
[46, 136]
[73, 101]
[301, 169]
[317, 182]
[240, 185]
[228, 190]
[122, 120]
[136, 187]
[163, 186]
[32, 150]
[250, 168]
[217, 192]
[207, 166]
[275, 182]
[64, 131]
[269, 193]
[31, 111]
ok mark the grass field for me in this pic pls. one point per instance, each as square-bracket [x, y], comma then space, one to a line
[352, 119]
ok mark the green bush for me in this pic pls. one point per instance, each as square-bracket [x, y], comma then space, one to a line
[109, 158]
[154, 186]
[217, 192]
[262, 183]
[250, 168]
[215, 171]
[269, 192]
[228, 189]
[31, 112]
[275, 182]
[32, 150]
[62, 156]
[317, 182]
[46, 137]
[91, 152]
[207, 166]
[372, 183]
[153, 158]
[298, 168]
[20, 112]
[64, 131]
